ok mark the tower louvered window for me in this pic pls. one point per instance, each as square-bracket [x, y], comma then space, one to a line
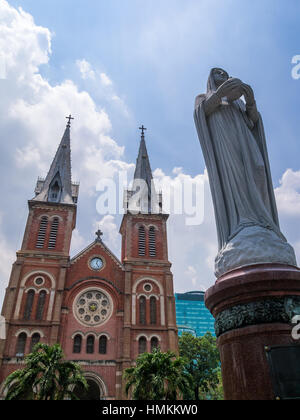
[152, 242]
[153, 317]
[42, 233]
[142, 310]
[53, 233]
[41, 305]
[142, 241]
[29, 305]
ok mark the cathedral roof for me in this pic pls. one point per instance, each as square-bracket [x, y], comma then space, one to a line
[58, 187]
[95, 244]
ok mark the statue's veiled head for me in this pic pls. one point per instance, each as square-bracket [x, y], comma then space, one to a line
[216, 78]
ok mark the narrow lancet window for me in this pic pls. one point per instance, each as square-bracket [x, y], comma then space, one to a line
[29, 305]
[152, 242]
[142, 310]
[42, 232]
[142, 345]
[142, 241]
[53, 233]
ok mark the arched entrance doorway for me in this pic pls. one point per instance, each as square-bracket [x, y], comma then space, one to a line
[96, 389]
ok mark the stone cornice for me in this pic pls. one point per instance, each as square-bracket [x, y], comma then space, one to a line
[94, 278]
[50, 206]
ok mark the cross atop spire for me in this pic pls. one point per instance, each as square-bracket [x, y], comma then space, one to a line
[69, 118]
[143, 129]
[99, 233]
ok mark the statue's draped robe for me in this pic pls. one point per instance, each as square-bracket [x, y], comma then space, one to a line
[235, 154]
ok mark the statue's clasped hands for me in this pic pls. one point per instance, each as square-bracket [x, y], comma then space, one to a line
[233, 89]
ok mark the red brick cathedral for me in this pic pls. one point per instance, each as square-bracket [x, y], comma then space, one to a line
[102, 311]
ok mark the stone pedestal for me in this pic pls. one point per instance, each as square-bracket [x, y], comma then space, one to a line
[253, 308]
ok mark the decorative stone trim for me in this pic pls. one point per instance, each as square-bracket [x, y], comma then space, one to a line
[94, 278]
[267, 311]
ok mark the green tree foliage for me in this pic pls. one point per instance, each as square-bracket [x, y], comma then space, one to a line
[202, 362]
[157, 376]
[46, 376]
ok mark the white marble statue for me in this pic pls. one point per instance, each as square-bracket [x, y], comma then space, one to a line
[232, 138]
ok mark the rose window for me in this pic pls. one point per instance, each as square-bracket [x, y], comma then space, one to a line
[92, 307]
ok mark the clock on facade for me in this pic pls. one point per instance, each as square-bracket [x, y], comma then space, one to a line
[96, 264]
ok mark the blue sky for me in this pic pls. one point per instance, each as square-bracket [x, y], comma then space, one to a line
[121, 63]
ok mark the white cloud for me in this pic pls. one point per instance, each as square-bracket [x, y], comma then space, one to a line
[7, 257]
[288, 194]
[105, 79]
[85, 69]
[110, 231]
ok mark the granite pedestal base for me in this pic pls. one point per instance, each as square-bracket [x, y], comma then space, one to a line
[253, 308]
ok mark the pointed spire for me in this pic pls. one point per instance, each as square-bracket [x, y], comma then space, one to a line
[143, 169]
[148, 201]
[57, 187]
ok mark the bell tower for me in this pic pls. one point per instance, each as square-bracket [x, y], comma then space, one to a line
[33, 301]
[149, 307]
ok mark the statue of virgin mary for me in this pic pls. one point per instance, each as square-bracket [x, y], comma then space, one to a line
[232, 138]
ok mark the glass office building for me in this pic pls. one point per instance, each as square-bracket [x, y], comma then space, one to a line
[192, 315]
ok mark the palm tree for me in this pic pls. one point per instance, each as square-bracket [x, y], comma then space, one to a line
[46, 376]
[157, 376]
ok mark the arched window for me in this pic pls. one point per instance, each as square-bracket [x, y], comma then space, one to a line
[53, 233]
[154, 343]
[142, 306]
[21, 344]
[153, 311]
[103, 344]
[152, 242]
[35, 339]
[90, 344]
[77, 344]
[41, 305]
[142, 345]
[142, 241]
[29, 305]
[42, 232]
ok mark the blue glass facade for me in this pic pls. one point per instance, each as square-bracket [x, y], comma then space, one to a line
[192, 315]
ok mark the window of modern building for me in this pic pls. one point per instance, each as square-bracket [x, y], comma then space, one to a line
[192, 314]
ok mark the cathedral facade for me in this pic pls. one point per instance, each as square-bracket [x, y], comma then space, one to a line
[104, 311]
